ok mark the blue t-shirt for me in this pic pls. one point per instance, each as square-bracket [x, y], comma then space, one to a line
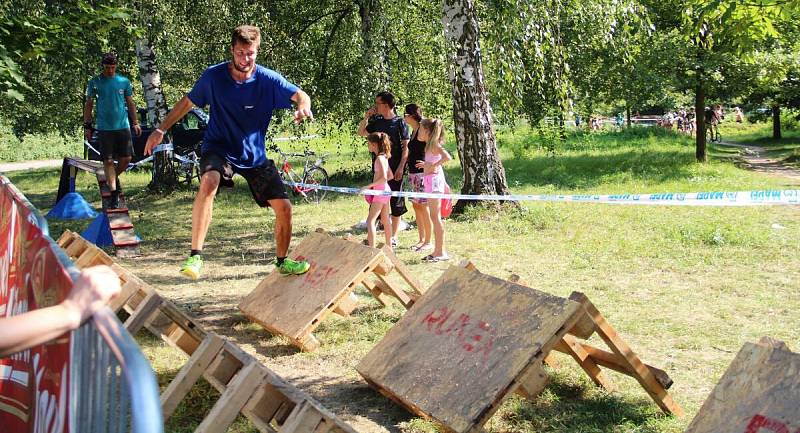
[240, 112]
[112, 113]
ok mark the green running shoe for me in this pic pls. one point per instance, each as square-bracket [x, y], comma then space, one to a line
[293, 267]
[192, 266]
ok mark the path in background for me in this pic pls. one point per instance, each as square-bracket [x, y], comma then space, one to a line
[752, 159]
[28, 165]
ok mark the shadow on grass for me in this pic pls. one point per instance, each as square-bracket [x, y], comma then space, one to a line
[568, 406]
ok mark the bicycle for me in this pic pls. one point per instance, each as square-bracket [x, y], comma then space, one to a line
[184, 163]
[313, 174]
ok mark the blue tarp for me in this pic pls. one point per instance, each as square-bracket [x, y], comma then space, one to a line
[72, 207]
[99, 232]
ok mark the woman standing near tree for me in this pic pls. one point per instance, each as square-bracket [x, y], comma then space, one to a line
[416, 152]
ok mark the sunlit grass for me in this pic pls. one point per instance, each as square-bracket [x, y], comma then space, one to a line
[685, 286]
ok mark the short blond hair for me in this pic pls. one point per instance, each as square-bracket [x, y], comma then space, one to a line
[247, 35]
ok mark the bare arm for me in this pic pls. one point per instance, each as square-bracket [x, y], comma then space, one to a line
[91, 291]
[303, 103]
[445, 155]
[178, 111]
[362, 126]
[87, 118]
[132, 115]
[430, 168]
[398, 174]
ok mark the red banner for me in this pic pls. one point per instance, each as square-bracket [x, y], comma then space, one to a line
[34, 384]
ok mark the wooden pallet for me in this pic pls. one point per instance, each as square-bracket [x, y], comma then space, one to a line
[124, 237]
[295, 306]
[246, 385]
[759, 393]
[473, 340]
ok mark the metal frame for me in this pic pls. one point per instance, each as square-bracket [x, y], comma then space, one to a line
[103, 349]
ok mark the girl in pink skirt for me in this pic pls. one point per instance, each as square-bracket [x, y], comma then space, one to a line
[380, 145]
[431, 131]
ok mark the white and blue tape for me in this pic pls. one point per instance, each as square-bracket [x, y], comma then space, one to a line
[711, 198]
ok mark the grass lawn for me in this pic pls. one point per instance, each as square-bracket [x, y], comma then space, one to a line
[685, 286]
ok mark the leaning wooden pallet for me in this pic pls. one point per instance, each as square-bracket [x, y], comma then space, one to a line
[759, 393]
[337, 267]
[473, 340]
[246, 385]
[621, 358]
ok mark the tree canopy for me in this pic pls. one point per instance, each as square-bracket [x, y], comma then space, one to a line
[544, 59]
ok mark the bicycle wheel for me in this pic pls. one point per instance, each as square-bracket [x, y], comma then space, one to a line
[315, 176]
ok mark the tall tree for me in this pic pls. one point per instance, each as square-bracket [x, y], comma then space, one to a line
[721, 30]
[472, 113]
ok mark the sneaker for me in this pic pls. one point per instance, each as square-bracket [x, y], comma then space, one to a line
[293, 267]
[395, 243]
[402, 225]
[430, 258]
[192, 266]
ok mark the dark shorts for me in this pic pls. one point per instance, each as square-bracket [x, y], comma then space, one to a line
[265, 181]
[115, 144]
[397, 204]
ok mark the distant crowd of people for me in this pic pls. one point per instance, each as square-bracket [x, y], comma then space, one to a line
[684, 120]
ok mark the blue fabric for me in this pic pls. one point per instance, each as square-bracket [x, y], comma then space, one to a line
[112, 113]
[72, 207]
[240, 112]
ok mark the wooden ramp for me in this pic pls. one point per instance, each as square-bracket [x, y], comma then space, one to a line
[122, 232]
[759, 393]
[246, 385]
[295, 306]
[472, 340]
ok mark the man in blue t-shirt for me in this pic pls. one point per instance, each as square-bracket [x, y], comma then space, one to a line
[116, 112]
[241, 96]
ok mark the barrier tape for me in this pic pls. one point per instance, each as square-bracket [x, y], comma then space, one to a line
[711, 198]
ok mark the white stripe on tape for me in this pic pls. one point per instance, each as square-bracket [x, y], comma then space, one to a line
[711, 198]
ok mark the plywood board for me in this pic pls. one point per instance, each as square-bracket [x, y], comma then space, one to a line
[457, 353]
[759, 393]
[293, 305]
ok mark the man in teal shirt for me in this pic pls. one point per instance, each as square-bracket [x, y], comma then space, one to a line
[116, 112]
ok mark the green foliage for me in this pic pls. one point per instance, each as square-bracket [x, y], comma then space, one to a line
[42, 33]
[32, 147]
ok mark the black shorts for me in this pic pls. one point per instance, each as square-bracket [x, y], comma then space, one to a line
[397, 204]
[264, 181]
[115, 144]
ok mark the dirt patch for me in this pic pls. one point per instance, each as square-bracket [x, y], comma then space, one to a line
[753, 158]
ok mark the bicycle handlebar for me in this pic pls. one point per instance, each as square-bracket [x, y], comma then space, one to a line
[305, 153]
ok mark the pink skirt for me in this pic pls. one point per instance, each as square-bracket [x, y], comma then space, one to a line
[379, 198]
[434, 183]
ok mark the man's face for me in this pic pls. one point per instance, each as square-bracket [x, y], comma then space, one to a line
[109, 70]
[244, 57]
[383, 108]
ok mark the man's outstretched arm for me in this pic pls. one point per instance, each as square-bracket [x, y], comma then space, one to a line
[303, 104]
[178, 111]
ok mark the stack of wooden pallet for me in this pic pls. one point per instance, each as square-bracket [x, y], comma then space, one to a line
[246, 385]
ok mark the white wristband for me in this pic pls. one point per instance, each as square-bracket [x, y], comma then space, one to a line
[161, 131]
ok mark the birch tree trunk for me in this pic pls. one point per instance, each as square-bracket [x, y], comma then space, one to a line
[163, 174]
[477, 149]
[373, 48]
